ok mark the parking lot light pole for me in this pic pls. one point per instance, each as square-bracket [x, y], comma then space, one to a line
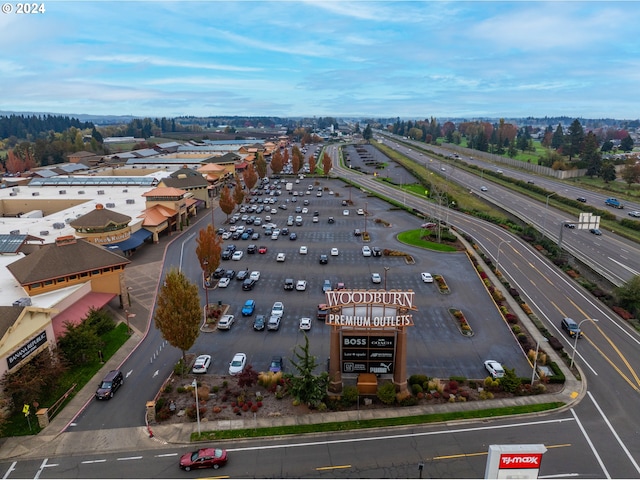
[546, 212]
[194, 384]
[206, 290]
[575, 342]
[386, 269]
[535, 360]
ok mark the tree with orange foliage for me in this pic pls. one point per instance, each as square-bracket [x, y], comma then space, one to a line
[261, 165]
[226, 201]
[250, 177]
[296, 159]
[14, 163]
[312, 164]
[326, 163]
[276, 162]
[238, 192]
[208, 250]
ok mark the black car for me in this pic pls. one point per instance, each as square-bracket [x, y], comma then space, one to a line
[255, 236]
[376, 251]
[331, 220]
[571, 327]
[276, 364]
[226, 255]
[259, 323]
[252, 248]
[288, 284]
[231, 247]
[581, 199]
[230, 274]
[293, 236]
[242, 275]
[324, 259]
[219, 272]
[248, 284]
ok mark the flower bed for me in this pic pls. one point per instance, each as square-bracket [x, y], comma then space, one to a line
[442, 285]
[461, 322]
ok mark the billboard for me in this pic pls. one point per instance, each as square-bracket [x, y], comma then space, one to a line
[368, 354]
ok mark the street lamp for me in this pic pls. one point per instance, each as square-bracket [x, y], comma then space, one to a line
[498, 257]
[575, 342]
[546, 212]
[129, 315]
[535, 360]
[386, 269]
[194, 384]
[206, 290]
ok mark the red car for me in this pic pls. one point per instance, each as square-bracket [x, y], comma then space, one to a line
[262, 249]
[204, 458]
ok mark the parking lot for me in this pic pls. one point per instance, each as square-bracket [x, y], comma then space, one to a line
[435, 347]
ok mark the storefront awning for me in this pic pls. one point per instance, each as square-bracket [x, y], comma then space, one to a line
[134, 241]
[76, 312]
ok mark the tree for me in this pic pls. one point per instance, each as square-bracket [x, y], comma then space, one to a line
[576, 139]
[261, 165]
[178, 313]
[296, 159]
[250, 177]
[591, 156]
[14, 163]
[312, 164]
[626, 144]
[629, 295]
[226, 201]
[367, 133]
[80, 343]
[558, 138]
[238, 193]
[630, 173]
[326, 163]
[305, 386]
[208, 250]
[608, 172]
[607, 146]
[276, 162]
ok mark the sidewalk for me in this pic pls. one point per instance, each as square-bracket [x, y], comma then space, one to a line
[143, 276]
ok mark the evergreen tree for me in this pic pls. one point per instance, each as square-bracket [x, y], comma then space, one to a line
[576, 139]
[558, 138]
[626, 144]
[608, 172]
[591, 156]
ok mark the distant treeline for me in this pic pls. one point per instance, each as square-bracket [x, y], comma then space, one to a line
[32, 126]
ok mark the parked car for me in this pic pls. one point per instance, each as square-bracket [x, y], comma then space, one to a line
[324, 259]
[276, 364]
[224, 282]
[248, 284]
[274, 323]
[326, 286]
[301, 286]
[242, 275]
[277, 309]
[426, 277]
[262, 249]
[366, 251]
[204, 458]
[248, 308]
[375, 278]
[225, 322]
[237, 364]
[494, 368]
[303, 250]
[377, 251]
[281, 257]
[237, 256]
[305, 323]
[201, 364]
[255, 275]
[335, 252]
[258, 323]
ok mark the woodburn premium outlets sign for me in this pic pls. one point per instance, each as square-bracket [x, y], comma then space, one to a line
[369, 325]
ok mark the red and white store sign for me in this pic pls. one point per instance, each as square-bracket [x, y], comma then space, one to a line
[520, 460]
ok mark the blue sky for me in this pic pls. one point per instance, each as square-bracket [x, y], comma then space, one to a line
[413, 59]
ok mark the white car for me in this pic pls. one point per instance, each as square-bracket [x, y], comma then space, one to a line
[484, 189]
[305, 323]
[301, 286]
[494, 368]
[280, 257]
[237, 256]
[201, 364]
[334, 252]
[375, 278]
[345, 212]
[316, 219]
[224, 282]
[303, 250]
[319, 194]
[305, 210]
[237, 364]
[273, 211]
[255, 275]
[360, 211]
[278, 309]
[426, 277]
[366, 251]
[225, 322]
[226, 235]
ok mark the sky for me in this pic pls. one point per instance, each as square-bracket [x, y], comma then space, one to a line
[382, 59]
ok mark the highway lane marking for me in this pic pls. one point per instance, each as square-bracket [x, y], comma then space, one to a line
[635, 272]
[590, 443]
[166, 455]
[101, 460]
[334, 467]
[479, 454]
[622, 445]
[129, 458]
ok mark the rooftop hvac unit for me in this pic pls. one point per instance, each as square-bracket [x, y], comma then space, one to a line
[125, 190]
[35, 194]
[111, 205]
[22, 302]
[130, 201]
[100, 192]
[58, 225]
[44, 232]
[13, 194]
[16, 189]
[62, 192]
[15, 232]
[81, 192]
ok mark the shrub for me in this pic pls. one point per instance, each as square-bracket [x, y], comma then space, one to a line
[420, 379]
[163, 414]
[387, 393]
[511, 318]
[160, 403]
[179, 369]
[416, 388]
[168, 388]
[182, 389]
[349, 395]
[408, 401]
[516, 329]
[190, 411]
